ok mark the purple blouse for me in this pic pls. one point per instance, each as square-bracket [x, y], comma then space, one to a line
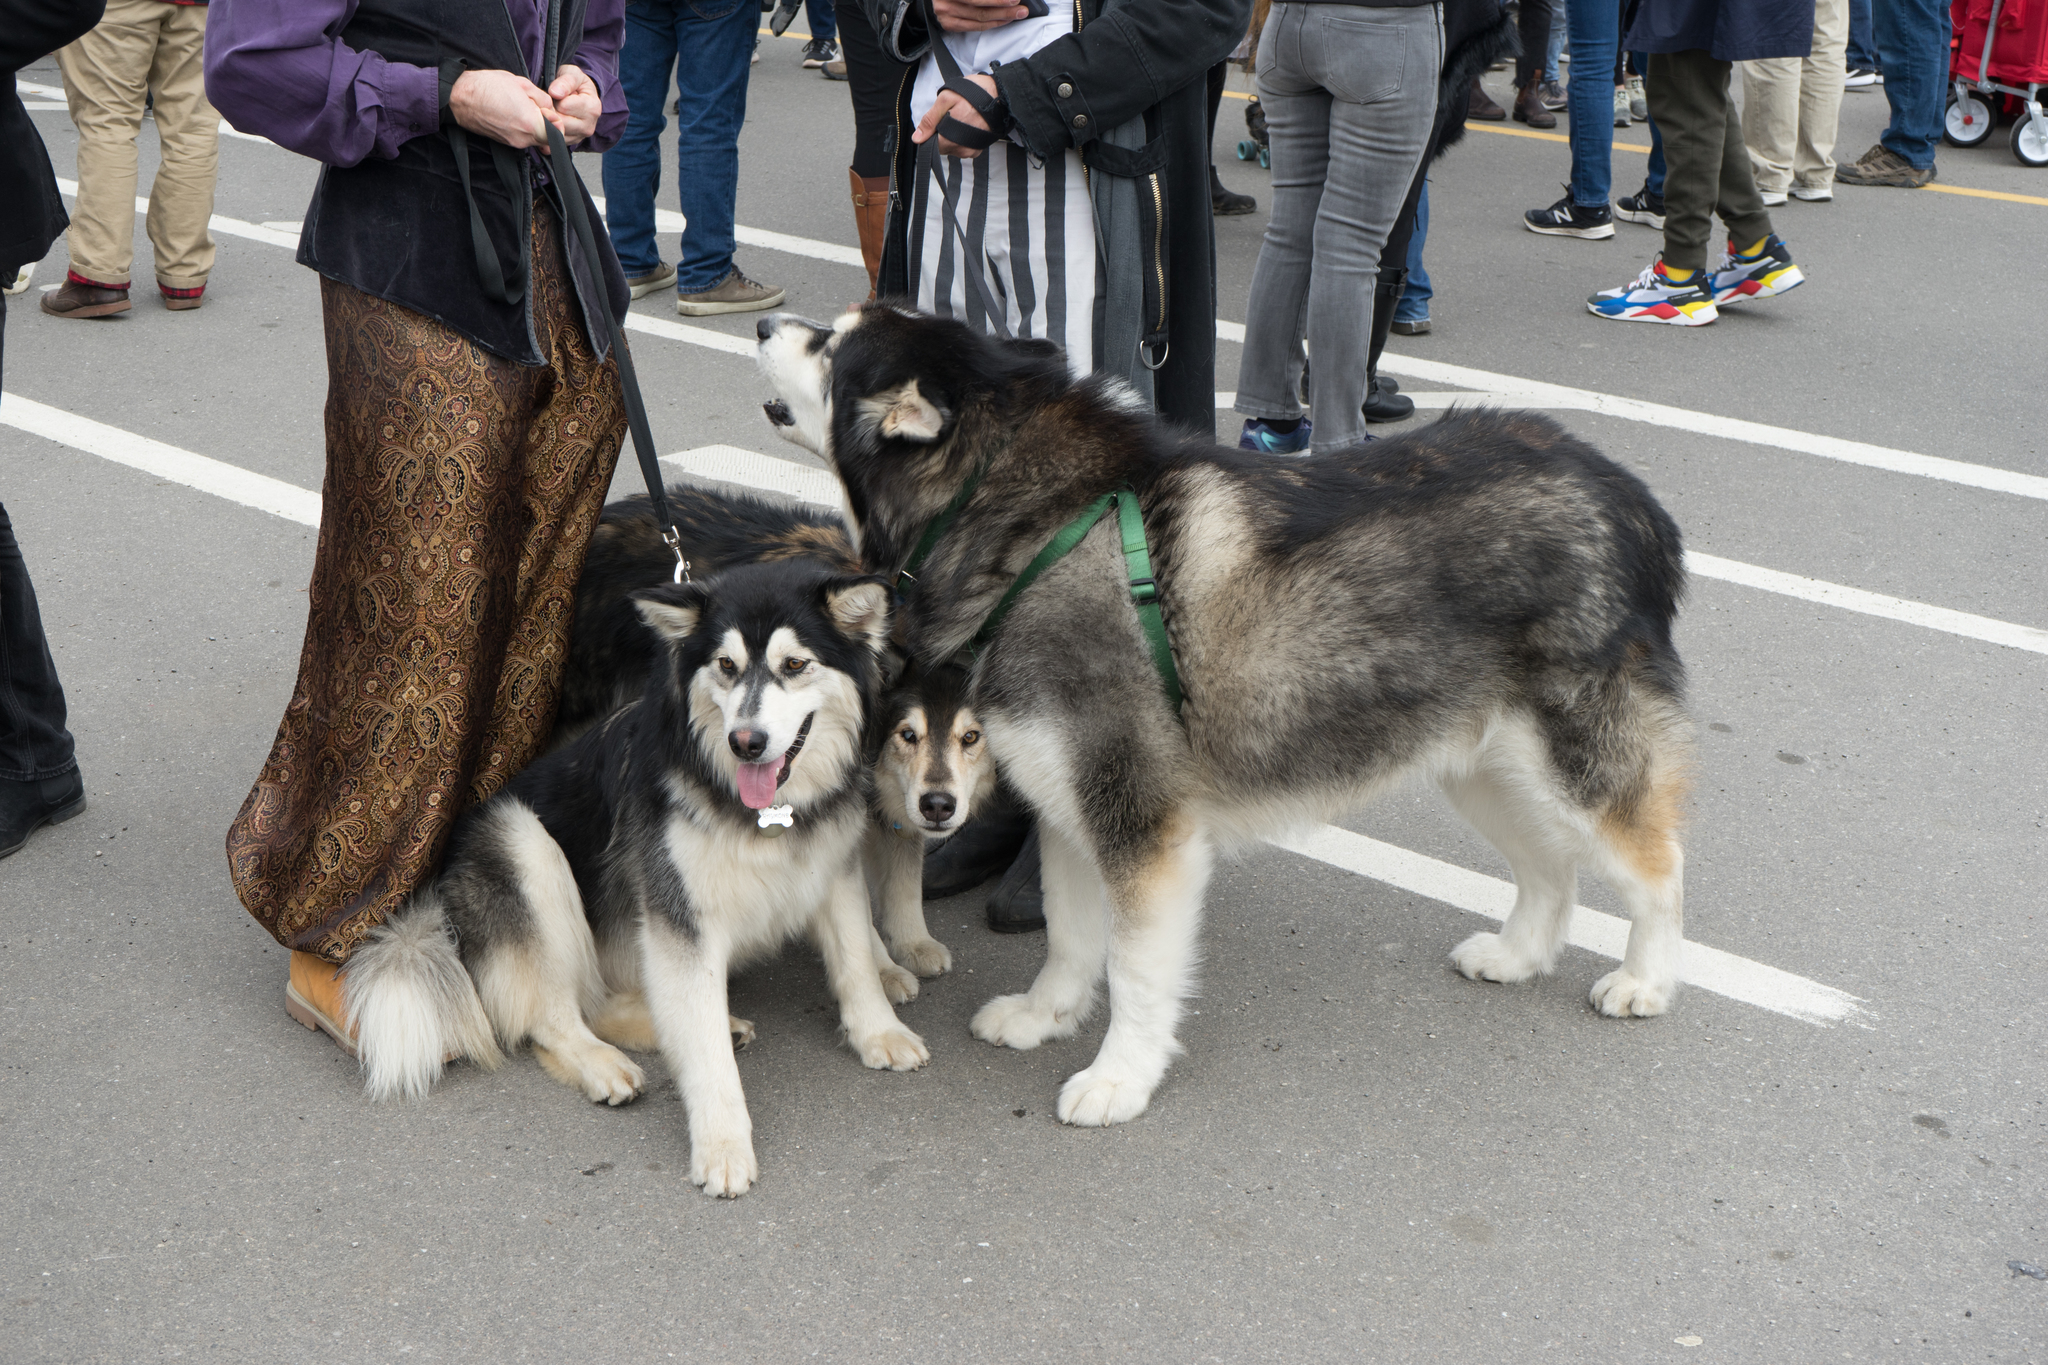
[274, 67]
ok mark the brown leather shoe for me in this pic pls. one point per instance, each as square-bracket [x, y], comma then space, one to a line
[181, 300]
[78, 299]
[312, 995]
[871, 217]
[1529, 105]
[1480, 105]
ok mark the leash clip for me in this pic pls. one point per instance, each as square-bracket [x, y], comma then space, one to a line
[675, 545]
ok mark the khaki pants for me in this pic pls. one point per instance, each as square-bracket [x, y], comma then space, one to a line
[1791, 104]
[142, 46]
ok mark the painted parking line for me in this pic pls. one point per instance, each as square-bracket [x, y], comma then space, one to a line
[1508, 388]
[1738, 978]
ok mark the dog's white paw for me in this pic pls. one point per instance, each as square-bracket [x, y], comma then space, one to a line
[899, 985]
[599, 1070]
[925, 956]
[1487, 957]
[1099, 1096]
[725, 1167]
[1622, 995]
[896, 1049]
[742, 1031]
[1020, 1022]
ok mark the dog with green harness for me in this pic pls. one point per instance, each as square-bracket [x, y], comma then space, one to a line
[1177, 649]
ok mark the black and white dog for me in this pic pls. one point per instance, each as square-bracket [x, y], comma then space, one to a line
[608, 889]
[1486, 601]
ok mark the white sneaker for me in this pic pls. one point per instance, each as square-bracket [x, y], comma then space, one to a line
[19, 284]
[1814, 194]
[1621, 109]
[1772, 198]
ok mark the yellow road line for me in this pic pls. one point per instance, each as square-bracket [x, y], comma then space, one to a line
[1985, 194]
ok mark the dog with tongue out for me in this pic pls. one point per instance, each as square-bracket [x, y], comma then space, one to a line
[599, 900]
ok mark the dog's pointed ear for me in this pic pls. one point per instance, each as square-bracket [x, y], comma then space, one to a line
[905, 413]
[859, 607]
[672, 610]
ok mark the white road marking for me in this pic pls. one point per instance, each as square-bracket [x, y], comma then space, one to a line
[668, 220]
[226, 227]
[1738, 978]
[168, 462]
[1869, 603]
[1449, 398]
[55, 95]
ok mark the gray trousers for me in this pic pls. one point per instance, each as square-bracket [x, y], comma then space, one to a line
[1349, 93]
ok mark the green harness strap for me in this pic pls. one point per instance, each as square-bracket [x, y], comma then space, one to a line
[906, 577]
[1137, 559]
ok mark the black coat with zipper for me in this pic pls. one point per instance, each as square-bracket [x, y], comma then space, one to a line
[1144, 58]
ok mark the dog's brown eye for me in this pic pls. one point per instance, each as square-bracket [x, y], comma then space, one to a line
[794, 665]
[726, 666]
[907, 735]
[970, 739]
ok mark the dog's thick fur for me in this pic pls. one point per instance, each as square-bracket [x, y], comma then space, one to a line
[608, 889]
[1486, 601]
[931, 765]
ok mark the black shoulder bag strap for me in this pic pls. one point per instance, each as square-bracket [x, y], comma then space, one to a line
[973, 256]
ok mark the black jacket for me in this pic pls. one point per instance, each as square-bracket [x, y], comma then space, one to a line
[400, 229]
[1143, 58]
[31, 211]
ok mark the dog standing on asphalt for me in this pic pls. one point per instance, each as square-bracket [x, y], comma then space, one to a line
[607, 891]
[1486, 601]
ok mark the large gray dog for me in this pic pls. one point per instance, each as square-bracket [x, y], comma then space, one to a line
[1486, 601]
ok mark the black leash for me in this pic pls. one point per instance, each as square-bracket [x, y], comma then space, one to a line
[571, 192]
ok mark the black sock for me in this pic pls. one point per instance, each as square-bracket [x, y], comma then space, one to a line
[1286, 428]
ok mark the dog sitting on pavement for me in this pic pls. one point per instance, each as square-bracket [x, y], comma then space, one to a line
[1486, 601]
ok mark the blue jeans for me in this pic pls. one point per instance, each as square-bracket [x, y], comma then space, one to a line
[709, 47]
[1414, 304]
[1654, 181]
[1912, 44]
[1556, 47]
[1862, 51]
[822, 18]
[1595, 28]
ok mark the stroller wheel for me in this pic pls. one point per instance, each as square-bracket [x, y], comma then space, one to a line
[1967, 122]
[1247, 149]
[2030, 138]
[1266, 157]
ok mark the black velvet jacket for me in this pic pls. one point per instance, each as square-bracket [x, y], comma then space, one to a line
[400, 229]
[31, 211]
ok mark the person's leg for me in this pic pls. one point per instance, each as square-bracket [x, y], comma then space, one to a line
[714, 42]
[822, 19]
[1554, 49]
[106, 79]
[1770, 119]
[1596, 35]
[1415, 297]
[872, 80]
[1913, 42]
[1820, 99]
[1689, 101]
[1654, 178]
[1737, 200]
[1223, 202]
[632, 168]
[1861, 51]
[188, 130]
[1535, 22]
[1298, 128]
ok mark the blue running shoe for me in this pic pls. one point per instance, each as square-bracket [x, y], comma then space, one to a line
[1258, 436]
[1656, 297]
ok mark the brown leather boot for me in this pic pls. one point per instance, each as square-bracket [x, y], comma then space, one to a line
[85, 299]
[312, 995]
[871, 215]
[1480, 105]
[1529, 105]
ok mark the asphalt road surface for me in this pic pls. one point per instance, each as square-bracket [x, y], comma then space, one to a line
[1833, 1148]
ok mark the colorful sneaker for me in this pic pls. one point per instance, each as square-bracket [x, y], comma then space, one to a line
[1764, 274]
[1655, 297]
[1260, 437]
[1641, 207]
[1638, 100]
[1566, 219]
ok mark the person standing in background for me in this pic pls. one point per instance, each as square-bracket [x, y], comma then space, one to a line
[1861, 56]
[143, 51]
[873, 81]
[1790, 107]
[1912, 46]
[1583, 211]
[39, 780]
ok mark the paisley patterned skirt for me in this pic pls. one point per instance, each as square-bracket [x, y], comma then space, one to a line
[461, 492]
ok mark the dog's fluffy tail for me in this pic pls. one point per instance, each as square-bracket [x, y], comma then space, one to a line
[413, 1004]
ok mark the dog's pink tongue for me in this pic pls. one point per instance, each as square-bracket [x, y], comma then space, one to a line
[757, 783]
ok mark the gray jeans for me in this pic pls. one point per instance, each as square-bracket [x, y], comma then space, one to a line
[1349, 93]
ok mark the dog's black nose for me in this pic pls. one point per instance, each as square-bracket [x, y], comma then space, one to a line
[749, 745]
[765, 328]
[936, 807]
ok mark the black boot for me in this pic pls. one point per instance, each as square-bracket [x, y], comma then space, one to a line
[26, 807]
[1225, 202]
[983, 847]
[1018, 905]
[1383, 400]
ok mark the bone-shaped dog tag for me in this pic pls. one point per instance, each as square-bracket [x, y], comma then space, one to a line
[775, 819]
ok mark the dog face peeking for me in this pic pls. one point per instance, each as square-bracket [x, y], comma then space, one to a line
[775, 663]
[796, 356]
[935, 767]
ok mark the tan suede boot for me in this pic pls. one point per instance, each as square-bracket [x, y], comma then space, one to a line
[312, 995]
[871, 215]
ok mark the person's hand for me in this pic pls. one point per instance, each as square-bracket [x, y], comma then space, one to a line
[972, 16]
[949, 102]
[577, 104]
[503, 106]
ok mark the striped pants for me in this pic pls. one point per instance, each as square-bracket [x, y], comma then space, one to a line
[1031, 226]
